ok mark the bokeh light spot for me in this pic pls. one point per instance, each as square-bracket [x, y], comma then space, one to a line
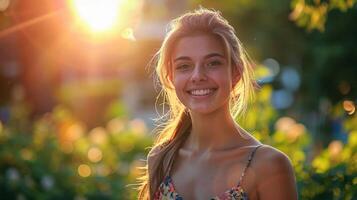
[74, 132]
[84, 170]
[98, 135]
[335, 148]
[272, 65]
[284, 124]
[349, 107]
[295, 132]
[95, 154]
[282, 99]
[290, 78]
[115, 125]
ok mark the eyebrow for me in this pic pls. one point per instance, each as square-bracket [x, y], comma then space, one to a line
[205, 57]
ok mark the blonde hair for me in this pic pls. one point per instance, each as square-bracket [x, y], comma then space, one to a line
[178, 124]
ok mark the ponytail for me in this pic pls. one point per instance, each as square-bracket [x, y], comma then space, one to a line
[167, 146]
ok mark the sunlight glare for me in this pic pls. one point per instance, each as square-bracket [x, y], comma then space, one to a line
[99, 15]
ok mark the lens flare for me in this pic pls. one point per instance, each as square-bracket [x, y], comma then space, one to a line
[98, 15]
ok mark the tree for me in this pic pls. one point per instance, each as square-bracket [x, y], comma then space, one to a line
[313, 14]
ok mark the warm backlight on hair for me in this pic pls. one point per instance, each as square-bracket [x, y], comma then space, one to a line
[98, 15]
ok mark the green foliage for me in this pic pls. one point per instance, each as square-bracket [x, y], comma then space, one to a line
[58, 158]
[321, 173]
[313, 14]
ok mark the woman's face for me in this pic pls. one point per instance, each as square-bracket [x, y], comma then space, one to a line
[200, 74]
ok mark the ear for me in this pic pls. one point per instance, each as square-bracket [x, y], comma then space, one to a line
[236, 75]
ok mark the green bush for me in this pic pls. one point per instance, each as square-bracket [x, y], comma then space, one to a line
[58, 158]
[321, 173]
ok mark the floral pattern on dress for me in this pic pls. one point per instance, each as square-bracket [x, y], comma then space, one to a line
[236, 193]
[167, 191]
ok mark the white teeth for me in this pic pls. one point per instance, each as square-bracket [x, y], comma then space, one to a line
[201, 92]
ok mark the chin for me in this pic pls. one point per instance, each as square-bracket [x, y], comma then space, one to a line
[202, 110]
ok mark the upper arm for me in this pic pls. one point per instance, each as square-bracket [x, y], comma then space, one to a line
[276, 179]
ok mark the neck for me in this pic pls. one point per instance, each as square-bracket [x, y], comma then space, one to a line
[216, 131]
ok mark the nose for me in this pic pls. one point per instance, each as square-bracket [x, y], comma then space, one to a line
[198, 74]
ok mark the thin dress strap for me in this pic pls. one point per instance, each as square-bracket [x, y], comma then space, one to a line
[248, 164]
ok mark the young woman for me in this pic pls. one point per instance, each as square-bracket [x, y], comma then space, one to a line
[202, 153]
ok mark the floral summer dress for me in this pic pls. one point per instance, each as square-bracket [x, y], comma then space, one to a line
[166, 190]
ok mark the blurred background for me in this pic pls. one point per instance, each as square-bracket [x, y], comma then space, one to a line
[78, 100]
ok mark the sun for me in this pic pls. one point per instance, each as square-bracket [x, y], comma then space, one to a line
[98, 15]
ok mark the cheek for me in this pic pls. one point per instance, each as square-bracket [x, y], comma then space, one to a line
[178, 80]
[224, 79]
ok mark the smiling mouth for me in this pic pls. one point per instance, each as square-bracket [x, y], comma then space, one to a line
[201, 92]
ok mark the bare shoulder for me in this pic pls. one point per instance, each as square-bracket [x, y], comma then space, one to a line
[269, 159]
[275, 177]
